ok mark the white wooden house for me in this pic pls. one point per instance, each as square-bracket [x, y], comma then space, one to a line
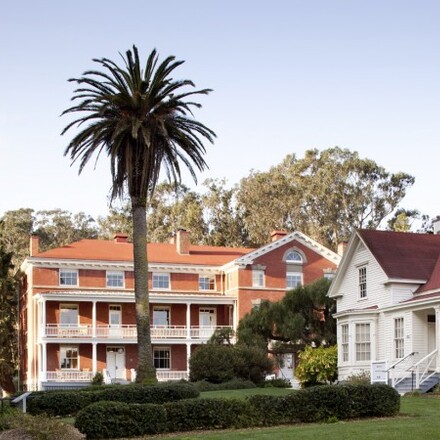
[387, 290]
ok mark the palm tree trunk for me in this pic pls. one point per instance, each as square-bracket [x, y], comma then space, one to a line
[145, 368]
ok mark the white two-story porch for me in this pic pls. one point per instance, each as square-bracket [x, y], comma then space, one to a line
[82, 333]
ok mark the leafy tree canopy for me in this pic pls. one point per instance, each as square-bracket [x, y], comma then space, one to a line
[302, 317]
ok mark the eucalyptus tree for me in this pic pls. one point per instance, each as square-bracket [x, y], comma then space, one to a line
[142, 119]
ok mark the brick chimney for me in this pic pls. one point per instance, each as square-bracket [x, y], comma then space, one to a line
[34, 245]
[182, 242]
[120, 238]
[436, 225]
[276, 235]
[341, 247]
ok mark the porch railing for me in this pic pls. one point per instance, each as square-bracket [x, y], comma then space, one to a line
[127, 331]
[401, 369]
[69, 376]
[164, 375]
[425, 368]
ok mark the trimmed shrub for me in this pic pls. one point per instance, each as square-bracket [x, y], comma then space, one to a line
[65, 403]
[278, 382]
[190, 415]
[375, 400]
[98, 379]
[327, 403]
[221, 363]
[116, 419]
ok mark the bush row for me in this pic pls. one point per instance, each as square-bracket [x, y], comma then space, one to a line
[116, 419]
[63, 403]
[233, 384]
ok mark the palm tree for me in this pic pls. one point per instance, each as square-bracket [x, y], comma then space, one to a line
[142, 120]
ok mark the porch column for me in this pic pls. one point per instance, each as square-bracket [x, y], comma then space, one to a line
[43, 317]
[188, 321]
[235, 315]
[437, 336]
[94, 358]
[188, 355]
[44, 362]
[94, 320]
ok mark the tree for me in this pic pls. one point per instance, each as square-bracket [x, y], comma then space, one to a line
[303, 317]
[326, 195]
[118, 220]
[8, 322]
[142, 119]
[406, 220]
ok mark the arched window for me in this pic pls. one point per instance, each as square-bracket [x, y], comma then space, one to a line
[294, 257]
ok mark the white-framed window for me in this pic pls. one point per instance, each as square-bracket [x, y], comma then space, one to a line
[257, 278]
[161, 316]
[344, 343]
[115, 279]
[114, 315]
[69, 315]
[398, 338]
[161, 280]
[294, 257]
[162, 358]
[68, 277]
[69, 357]
[293, 280]
[206, 282]
[362, 273]
[363, 342]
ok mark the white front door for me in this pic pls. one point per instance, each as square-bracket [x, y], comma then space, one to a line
[207, 322]
[115, 320]
[116, 362]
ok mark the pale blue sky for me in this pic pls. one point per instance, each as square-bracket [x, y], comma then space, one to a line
[287, 76]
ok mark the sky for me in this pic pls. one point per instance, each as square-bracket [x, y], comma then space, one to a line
[287, 76]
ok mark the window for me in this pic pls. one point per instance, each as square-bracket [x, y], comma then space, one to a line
[206, 282]
[398, 338]
[69, 315]
[363, 342]
[344, 342]
[68, 277]
[115, 279]
[362, 282]
[161, 316]
[162, 358]
[161, 280]
[293, 280]
[258, 278]
[294, 257]
[114, 315]
[69, 358]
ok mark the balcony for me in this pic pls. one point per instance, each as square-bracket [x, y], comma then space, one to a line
[129, 332]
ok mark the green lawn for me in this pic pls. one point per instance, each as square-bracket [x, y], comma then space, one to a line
[419, 419]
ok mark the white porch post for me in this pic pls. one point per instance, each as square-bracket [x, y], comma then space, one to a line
[44, 362]
[437, 336]
[94, 358]
[235, 316]
[188, 320]
[188, 355]
[94, 320]
[43, 317]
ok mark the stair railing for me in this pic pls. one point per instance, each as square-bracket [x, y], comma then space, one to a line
[401, 369]
[425, 368]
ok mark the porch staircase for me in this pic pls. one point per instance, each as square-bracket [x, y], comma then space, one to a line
[408, 384]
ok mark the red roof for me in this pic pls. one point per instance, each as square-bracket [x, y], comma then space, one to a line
[157, 253]
[405, 255]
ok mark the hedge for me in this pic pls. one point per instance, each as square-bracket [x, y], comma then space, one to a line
[64, 403]
[332, 402]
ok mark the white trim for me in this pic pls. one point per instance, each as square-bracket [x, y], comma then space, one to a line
[298, 236]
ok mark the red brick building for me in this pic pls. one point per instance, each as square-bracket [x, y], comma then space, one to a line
[77, 311]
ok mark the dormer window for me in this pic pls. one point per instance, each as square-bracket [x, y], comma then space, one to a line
[294, 257]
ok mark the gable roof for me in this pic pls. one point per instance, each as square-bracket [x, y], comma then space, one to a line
[403, 255]
[157, 253]
[296, 235]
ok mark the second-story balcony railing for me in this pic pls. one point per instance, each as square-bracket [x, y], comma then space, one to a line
[129, 332]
